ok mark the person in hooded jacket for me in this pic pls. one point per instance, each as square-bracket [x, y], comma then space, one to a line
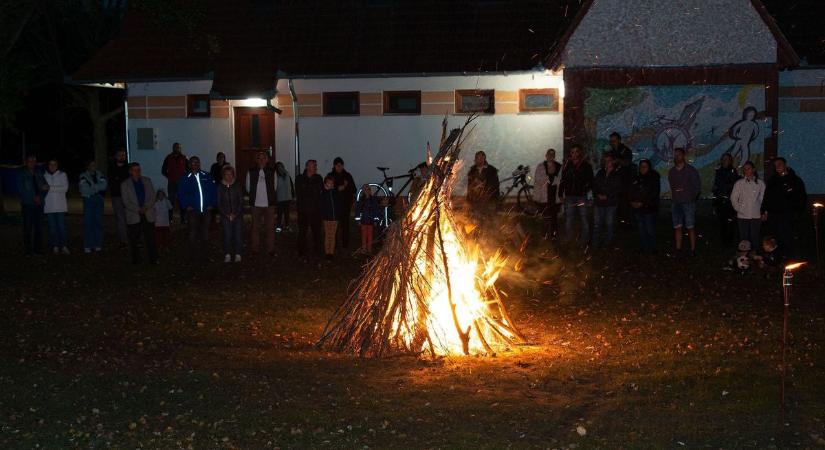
[746, 198]
[92, 187]
[546, 192]
[644, 199]
[55, 207]
[784, 202]
[285, 194]
[723, 182]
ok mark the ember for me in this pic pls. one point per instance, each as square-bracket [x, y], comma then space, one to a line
[430, 289]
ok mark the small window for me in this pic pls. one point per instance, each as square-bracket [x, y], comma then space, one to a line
[475, 101]
[197, 105]
[341, 104]
[538, 100]
[402, 102]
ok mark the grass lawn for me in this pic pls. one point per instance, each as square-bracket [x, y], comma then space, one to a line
[628, 352]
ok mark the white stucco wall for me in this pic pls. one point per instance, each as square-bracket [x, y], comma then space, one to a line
[204, 137]
[632, 33]
[399, 142]
[364, 142]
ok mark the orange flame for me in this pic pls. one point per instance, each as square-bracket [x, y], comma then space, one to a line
[794, 266]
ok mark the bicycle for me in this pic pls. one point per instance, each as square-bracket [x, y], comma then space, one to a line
[524, 195]
[386, 196]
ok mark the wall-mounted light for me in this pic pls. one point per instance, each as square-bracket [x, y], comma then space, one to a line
[254, 102]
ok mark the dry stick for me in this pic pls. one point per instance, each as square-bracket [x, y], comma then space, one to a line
[464, 336]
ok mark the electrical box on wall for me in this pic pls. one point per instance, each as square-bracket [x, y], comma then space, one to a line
[146, 139]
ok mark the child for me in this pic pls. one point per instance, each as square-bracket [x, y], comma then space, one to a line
[768, 258]
[742, 260]
[162, 208]
[329, 207]
[230, 205]
[366, 212]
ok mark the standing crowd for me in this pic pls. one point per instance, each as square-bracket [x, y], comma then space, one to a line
[763, 214]
[143, 213]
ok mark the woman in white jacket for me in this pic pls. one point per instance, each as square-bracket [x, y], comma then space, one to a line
[746, 199]
[55, 207]
[546, 191]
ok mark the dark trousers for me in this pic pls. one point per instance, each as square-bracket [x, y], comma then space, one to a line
[781, 223]
[749, 230]
[646, 223]
[550, 219]
[198, 223]
[32, 228]
[172, 195]
[147, 230]
[309, 221]
[232, 235]
[282, 217]
[343, 222]
[726, 216]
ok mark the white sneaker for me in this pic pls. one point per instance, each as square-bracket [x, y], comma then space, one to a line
[227, 258]
[65, 250]
[237, 258]
[55, 250]
[87, 250]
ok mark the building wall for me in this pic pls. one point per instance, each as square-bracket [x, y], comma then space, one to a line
[802, 124]
[371, 139]
[162, 106]
[633, 33]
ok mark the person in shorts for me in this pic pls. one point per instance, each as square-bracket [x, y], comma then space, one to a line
[685, 186]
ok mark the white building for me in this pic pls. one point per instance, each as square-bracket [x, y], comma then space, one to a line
[372, 80]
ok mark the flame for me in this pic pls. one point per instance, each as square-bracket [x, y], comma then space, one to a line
[794, 266]
[456, 295]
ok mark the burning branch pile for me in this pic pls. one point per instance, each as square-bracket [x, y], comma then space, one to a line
[429, 289]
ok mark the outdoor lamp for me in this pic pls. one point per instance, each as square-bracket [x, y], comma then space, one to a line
[787, 283]
[816, 208]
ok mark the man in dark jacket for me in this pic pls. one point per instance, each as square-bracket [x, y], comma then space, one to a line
[197, 194]
[482, 188]
[785, 200]
[345, 186]
[308, 187]
[118, 173]
[32, 187]
[607, 190]
[723, 181]
[576, 182]
[174, 168]
[644, 199]
[262, 184]
[623, 157]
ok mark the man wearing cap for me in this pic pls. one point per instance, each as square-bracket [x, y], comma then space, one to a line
[346, 195]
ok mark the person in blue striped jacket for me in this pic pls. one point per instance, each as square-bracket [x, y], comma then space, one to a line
[197, 194]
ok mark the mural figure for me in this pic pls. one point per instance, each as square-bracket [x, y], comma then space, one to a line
[675, 133]
[743, 133]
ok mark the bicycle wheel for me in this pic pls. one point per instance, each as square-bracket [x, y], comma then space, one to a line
[384, 199]
[524, 200]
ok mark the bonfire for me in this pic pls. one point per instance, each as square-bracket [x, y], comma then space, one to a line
[430, 289]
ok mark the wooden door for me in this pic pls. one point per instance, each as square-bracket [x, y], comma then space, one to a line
[254, 132]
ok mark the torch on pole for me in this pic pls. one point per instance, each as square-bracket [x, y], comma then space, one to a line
[817, 207]
[787, 284]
